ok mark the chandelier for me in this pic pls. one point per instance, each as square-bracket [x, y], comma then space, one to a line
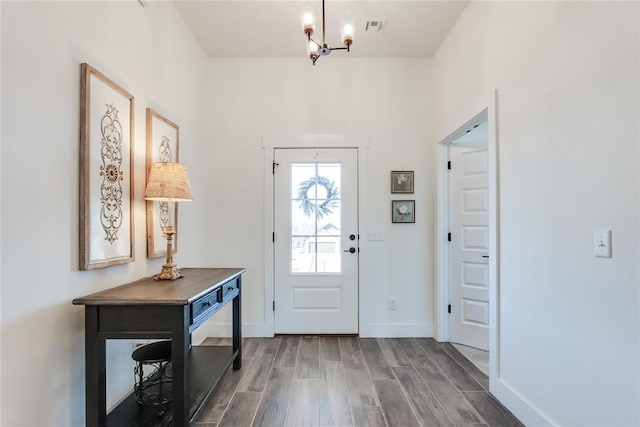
[308, 20]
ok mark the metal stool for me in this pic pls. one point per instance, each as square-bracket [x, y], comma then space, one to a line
[154, 387]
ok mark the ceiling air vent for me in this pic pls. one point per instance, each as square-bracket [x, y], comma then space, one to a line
[375, 25]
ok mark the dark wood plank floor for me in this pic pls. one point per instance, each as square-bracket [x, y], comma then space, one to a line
[346, 381]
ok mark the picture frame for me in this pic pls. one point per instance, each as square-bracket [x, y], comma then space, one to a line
[402, 182]
[106, 171]
[403, 211]
[163, 139]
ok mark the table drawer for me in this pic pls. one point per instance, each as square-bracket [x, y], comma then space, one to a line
[230, 289]
[203, 305]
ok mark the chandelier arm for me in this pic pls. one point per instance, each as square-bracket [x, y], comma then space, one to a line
[323, 32]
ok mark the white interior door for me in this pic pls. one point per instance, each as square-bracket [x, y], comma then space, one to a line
[469, 203]
[316, 241]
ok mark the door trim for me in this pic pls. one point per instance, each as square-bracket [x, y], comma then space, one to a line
[443, 261]
[276, 141]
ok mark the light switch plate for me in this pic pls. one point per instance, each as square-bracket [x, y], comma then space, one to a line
[375, 235]
[602, 243]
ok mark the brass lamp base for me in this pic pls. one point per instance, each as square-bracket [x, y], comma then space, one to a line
[169, 269]
[169, 272]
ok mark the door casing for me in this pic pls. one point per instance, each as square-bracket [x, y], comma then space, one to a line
[443, 264]
[329, 299]
[271, 143]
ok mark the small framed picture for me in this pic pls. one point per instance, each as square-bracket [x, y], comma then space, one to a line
[402, 182]
[403, 211]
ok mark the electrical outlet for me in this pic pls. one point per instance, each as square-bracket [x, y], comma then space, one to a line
[392, 303]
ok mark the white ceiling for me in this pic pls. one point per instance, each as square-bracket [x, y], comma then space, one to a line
[265, 28]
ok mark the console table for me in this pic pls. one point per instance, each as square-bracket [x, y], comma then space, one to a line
[160, 309]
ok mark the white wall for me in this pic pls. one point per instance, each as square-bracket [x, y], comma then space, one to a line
[0, 228]
[567, 75]
[151, 53]
[386, 99]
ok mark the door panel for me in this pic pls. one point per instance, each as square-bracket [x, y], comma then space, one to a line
[475, 237]
[475, 312]
[316, 298]
[475, 200]
[474, 274]
[316, 276]
[469, 179]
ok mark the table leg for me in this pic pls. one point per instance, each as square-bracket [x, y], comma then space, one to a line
[237, 328]
[180, 366]
[95, 371]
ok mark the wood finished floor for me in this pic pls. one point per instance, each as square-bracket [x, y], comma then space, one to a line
[347, 381]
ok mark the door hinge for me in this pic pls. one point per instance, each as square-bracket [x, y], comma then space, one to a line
[448, 309]
[274, 306]
[449, 237]
[449, 165]
[273, 167]
[273, 237]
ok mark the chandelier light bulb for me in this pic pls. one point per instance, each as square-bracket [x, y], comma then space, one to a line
[312, 48]
[307, 10]
[347, 28]
[347, 32]
[307, 19]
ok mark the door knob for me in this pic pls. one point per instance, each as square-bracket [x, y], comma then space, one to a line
[352, 237]
[351, 250]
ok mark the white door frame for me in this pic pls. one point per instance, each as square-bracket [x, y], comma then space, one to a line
[273, 142]
[443, 262]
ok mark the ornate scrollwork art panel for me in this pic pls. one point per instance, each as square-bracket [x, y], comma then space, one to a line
[106, 173]
[162, 146]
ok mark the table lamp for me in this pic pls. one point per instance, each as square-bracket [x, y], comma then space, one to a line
[168, 182]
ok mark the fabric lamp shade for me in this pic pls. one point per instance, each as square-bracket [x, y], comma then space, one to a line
[168, 181]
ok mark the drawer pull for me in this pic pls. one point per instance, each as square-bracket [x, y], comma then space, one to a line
[207, 304]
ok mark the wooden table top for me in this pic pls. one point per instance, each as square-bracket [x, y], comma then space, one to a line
[195, 283]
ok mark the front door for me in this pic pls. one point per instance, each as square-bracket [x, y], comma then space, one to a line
[469, 202]
[316, 241]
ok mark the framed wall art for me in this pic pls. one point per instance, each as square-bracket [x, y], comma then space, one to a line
[162, 146]
[106, 172]
[403, 211]
[402, 182]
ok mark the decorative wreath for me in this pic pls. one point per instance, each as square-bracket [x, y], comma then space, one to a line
[318, 207]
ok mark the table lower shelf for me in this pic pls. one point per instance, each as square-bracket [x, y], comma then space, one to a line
[207, 365]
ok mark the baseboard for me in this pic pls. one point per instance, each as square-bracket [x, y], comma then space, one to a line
[519, 406]
[396, 330]
[371, 330]
[199, 335]
[249, 330]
